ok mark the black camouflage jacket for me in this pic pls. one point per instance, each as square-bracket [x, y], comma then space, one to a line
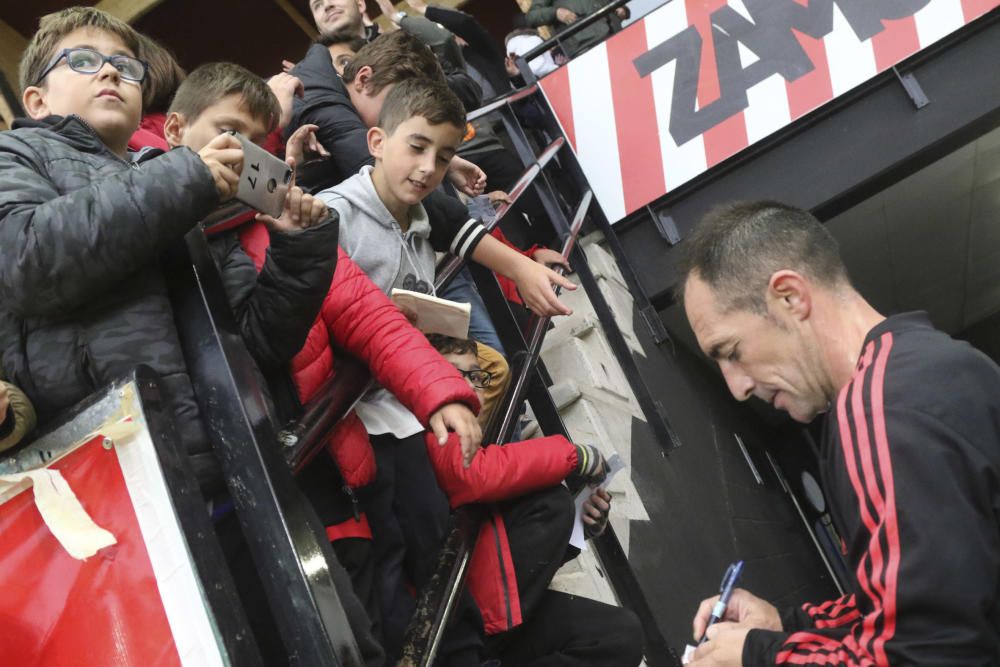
[83, 299]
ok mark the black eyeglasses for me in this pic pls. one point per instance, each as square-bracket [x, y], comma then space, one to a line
[88, 61]
[478, 378]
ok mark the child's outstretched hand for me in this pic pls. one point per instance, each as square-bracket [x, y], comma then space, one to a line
[460, 419]
[304, 144]
[223, 156]
[302, 211]
[596, 509]
[467, 177]
[535, 282]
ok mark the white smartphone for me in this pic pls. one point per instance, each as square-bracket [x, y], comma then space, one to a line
[265, 179]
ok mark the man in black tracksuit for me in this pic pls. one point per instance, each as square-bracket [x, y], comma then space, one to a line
[910, 456]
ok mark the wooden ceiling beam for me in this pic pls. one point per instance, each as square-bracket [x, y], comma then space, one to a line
[12, 44]
[127, 10]
[305, 24]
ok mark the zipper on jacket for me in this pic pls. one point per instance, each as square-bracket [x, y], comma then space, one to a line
[503, 573]
[355, 505]
[104, 147]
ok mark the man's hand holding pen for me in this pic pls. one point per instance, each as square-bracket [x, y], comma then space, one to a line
[743, 613]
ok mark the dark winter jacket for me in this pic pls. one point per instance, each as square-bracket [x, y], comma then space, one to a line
[483, 53]
[910, 461]
[83, 299]
[543, 12]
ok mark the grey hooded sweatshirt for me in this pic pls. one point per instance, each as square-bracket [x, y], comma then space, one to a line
[370, 235]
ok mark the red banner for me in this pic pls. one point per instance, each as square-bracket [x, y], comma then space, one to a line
[697, 81]
[57, 611]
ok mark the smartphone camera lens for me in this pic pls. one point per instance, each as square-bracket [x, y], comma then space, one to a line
[272, 185]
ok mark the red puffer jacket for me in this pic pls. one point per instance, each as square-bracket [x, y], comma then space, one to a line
[361, 320]
[498, 473]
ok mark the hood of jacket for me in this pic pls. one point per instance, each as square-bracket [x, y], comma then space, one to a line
[370, 236]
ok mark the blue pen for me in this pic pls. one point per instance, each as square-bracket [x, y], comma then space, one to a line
[729, 580]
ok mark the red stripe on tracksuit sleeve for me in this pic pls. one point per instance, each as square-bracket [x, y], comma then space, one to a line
[815, 88]
[635, 120]
[840, 621]
[557, 91]
[889, 518]
[730, 136]
[834, 613]
[850, 460]
[871, 491]
[897, 42]
[973, 9]
[831, 608]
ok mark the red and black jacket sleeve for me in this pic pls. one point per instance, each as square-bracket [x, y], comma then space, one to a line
[915, 498]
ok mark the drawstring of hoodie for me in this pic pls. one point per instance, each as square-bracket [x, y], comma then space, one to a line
[407, 237]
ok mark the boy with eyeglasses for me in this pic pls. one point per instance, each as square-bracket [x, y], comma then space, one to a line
[526, 535]
[84, 224]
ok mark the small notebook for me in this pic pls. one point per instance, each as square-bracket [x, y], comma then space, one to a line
[435, 315]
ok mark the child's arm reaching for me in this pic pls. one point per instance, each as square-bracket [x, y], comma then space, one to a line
[467, 177]
[501, 472]
[534, 281]
[460, 419]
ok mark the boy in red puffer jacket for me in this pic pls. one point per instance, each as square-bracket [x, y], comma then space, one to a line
[525, 539]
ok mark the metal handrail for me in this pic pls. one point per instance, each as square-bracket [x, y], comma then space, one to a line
[572, 29]
[438, 599]
[303, 439]
[450, 266]
[510, 98]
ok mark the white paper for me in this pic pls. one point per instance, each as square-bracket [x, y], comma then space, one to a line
[688, 654]
[435, 315]
[577, 537]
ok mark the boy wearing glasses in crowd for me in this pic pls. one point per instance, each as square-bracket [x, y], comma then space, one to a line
[84, 224]
[527, 534]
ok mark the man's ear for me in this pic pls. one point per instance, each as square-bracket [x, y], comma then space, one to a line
[361, 79]
[34, 102]
[173, 129]
[790, 293]
[376, 141]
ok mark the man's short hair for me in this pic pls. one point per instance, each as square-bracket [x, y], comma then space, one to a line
[394, 58]
[53, 27]
[209, 84]
[353, 42]
[165, 75]
[448, 345]
[431, 100]
[736, 248]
